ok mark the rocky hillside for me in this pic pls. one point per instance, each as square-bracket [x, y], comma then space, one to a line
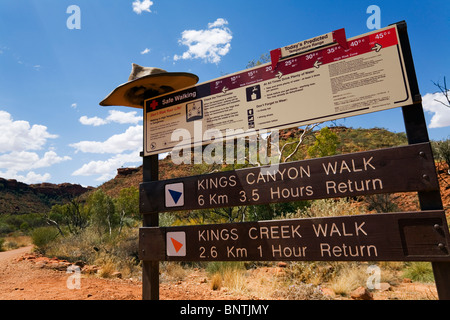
[20, 198]
[132, 177]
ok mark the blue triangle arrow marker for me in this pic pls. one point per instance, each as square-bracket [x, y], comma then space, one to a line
[175, 195]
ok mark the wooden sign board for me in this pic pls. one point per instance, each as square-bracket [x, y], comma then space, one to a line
[365, 75]
[412, 236]
[400, 169]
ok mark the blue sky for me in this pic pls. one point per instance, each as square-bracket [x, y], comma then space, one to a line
[53, 77]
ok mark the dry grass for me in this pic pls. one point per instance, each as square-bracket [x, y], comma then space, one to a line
[234, 280]
[216, 281]
[173, 271]
[348, 280]
[107, 268]
[229, 275]
[110, 255]
[11, 243]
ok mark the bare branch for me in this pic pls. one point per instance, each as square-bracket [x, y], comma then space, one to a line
[54, 223]
[308, 129]
[448, 106]
[445, 92]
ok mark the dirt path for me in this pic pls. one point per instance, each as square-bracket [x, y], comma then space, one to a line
[25, 278]
[9, 255]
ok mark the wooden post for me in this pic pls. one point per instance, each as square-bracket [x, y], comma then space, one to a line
[150, 269]
[416, 131]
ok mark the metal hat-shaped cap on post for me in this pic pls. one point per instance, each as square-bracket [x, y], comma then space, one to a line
[147, 82]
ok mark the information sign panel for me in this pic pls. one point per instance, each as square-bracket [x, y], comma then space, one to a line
[327, 83]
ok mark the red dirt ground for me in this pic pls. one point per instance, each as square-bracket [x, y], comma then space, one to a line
[23, 277]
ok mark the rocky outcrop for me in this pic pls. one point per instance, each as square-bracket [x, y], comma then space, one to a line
[18, 198]
[122, 172]
[44, 188]
[60, 189]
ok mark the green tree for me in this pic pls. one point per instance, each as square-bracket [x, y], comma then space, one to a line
[72, 215]
[441, 150]
[325, 145]
[127, 206]
[264, 58]
[102, 212]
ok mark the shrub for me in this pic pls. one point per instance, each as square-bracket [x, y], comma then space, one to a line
[381, 203]
[441, 150]
[349, 279]
[43, 236]
[326, 208]
[325, 145]
[419, 271]
[110, 253]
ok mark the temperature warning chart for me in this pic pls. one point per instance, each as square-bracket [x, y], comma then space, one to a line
[338, 79]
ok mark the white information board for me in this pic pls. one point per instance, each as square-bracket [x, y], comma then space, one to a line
[323, 84]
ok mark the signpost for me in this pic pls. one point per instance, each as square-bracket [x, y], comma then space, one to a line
[320, 79]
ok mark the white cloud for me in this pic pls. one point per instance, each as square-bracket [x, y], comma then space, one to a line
[95, 121]
[114, 116]
[20, 135]
[218, 23]
[33, 177]
[74, 105]
[18, 160]
[107, 169]
[145, 51]
[139, 6]
[18, 140]
[210, 44]
[441, 113]
[24, 160]
[50, 158]
[131, 139]
[124, 147]
[30, 178]
[123, 117]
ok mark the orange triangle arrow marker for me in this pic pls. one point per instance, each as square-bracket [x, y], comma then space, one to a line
[176, 244]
